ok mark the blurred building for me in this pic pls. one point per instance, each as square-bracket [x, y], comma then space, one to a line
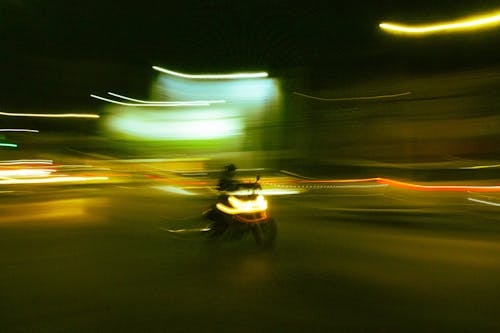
[240, 119]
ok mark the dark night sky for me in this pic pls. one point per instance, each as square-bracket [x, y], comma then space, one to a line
[54, 53]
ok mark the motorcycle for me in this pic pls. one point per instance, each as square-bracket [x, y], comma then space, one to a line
[239, 212]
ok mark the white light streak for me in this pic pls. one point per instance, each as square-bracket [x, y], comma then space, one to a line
[213, 76]
[276, 191]
[50, 115]
[15, 162]
[150, 104]
[187, 230]
[8, 145]
[267, 191]
[484, 202]
[26, 172]
[168, 102]
[185, 125]
[18, 130]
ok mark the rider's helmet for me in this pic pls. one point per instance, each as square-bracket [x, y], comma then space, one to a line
[230, 168]
[227, 181]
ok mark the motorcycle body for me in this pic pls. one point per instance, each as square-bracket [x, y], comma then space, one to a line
[240, 212]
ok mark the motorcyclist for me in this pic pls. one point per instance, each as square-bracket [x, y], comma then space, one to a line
[226, 183]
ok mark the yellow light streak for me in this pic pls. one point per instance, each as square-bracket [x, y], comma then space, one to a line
[50, 180]
[352, 98]
[51, 115]
[213, 76]
[169, 102]
[150, 104]
[18, 130]
[481, 167]
[465, 24]
[173, 189]
[242, 206]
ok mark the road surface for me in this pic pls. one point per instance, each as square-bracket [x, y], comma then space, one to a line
[372, 259]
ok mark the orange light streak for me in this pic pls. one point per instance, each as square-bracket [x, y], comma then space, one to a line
[449, 188]
[387, 181]
[409, 186]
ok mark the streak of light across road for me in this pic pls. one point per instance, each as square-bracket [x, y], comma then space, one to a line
[26, 173]
[51, 180]
[25, 162]
[464, 24]
[18, 130]
[411, 186]
[449, 188]
[168, 102]
[381, 181]
[213, 76]
[361, 98]
[481, 167]
[3, 144]
[484, 202]
[50, 115]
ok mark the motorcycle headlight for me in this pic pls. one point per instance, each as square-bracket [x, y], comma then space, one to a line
[244, 206]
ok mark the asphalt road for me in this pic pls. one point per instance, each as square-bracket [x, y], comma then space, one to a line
[97, 258]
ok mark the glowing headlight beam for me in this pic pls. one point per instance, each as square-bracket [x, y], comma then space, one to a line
[239, 206]
[213, 76]
[18, 130]
[471, 23]
[150, 104]
[50, 115]
[168, 102]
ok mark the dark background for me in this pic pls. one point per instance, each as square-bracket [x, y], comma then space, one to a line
[55, 53]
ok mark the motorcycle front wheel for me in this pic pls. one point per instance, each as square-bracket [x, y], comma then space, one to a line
[265, 233]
